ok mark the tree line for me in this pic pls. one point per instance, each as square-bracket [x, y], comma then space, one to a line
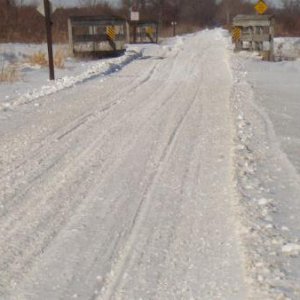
[22, 23]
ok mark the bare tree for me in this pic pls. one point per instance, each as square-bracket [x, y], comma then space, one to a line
[290, 16]
[229, 8]
[291, 5]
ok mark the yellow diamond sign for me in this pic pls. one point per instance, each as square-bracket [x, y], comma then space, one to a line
[261, 7]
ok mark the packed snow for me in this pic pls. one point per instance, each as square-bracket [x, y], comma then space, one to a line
[171, 172]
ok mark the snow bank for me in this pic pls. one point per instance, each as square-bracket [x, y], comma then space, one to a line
[34, 77]
[287, 48]
[269, 189]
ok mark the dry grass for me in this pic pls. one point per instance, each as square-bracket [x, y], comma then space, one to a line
[59, 58]
[40, 58]
[9, 73]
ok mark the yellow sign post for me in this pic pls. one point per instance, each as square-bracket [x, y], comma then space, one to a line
[261, 7]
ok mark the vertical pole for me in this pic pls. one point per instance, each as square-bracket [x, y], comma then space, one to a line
[134, 32]
[272, 33]
[160, 15]
[70, 33]
[49, 38]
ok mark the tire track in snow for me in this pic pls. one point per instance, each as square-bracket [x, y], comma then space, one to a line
[13, 226]
[120, 266]
[57, 134]
[82, 156]
[105, 170]
[109, 166]
[42, 153]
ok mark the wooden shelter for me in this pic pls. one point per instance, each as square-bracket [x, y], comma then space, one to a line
[254, 33]
[97, 34]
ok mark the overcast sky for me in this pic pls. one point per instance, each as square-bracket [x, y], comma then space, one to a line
[114, 2]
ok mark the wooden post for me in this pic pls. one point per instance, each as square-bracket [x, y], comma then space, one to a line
[48, 24]
[70, 33]
[272, 34]
[174, 27]
[134, 32]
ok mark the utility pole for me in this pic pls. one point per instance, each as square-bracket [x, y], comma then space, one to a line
[48, 24]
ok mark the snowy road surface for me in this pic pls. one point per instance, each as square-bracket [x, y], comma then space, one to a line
[123, 189]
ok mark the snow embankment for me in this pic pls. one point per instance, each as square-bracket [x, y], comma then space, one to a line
[269, 189]
[287, 48]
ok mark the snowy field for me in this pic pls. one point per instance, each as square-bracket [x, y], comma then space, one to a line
[171, 172]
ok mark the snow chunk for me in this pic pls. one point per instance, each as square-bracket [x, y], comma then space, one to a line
[291, 249]
[263, 201]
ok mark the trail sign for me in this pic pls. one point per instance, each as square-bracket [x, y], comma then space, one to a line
[261, 7]
[134, 16]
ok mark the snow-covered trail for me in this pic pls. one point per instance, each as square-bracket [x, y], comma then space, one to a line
[124, 189]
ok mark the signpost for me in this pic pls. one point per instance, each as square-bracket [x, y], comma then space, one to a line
[41, 8]
[46, 9]
[134, 18]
